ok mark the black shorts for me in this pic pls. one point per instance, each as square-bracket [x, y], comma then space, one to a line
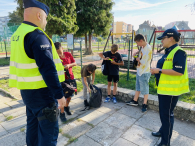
[114, 78]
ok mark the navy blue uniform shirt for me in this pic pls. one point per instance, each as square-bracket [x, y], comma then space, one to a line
[37, 46]
[113, 69]
[179, 61]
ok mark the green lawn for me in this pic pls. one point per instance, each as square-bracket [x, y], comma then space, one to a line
[4, 61]
[123, 83]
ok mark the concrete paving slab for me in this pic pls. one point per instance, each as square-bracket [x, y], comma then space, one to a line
[108, 108]
[84, 141]
[68, 117]
[121, 104]
[16, 111]
[14, 104]
[179, 140]
[93, 117]
[2, 131]
[134, 112]
[4, 99]
[104, 134]
[76, 128]
[62, 140]
[76, 108]
[123, 142]
[140, 136]
[2, 117]
[184, 128]
[14, 124]
[150, 121]
[16, 138]
[4, 107]
[120, 121]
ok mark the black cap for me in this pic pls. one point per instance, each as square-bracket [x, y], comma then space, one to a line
[34, 3]
[170, 33]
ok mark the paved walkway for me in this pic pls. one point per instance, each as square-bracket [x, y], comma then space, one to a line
[115, 125]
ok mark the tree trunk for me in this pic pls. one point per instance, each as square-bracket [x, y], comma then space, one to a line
[85, 42]
[89, 49]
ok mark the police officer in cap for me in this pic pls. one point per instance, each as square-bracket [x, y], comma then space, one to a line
[37, 71]
[171, 81]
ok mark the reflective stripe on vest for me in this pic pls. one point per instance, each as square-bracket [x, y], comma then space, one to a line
[24, 72]
[173, 85]
[29, 66]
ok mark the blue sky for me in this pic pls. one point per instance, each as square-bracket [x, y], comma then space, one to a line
[135, 12]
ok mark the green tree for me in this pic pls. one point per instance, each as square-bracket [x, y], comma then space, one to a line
[99, 39]
[93, 16]
[15, 18]
[61, 19]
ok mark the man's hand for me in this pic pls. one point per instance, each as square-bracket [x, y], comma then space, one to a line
[138, 59]
[92, 82]
[135, 53]
[89, 90]
[66, 66]
[113, 62]
[61, 102]
[107, 58]
[154, 70]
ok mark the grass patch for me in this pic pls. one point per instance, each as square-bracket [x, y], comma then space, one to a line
[22, 129]
[9, 118]
[66, 135]
[14, 99]
[4, 61]
[4, 84]
[72, 139]
[70, 120]
[60, 130]
[91, 125]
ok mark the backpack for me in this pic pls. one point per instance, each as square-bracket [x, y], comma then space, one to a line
[67, 89]
[95, 99]
[70, 81]
[105, 66]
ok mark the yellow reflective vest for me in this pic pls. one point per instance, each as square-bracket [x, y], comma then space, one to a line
[24, 73]
[173, 85]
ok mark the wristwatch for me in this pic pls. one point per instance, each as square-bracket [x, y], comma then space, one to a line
[160, 71]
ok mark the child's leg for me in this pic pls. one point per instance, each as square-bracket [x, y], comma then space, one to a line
[62, 110]
[144, 82]
[67, 101]
[137, 92]
[109, 88]
[84, 90]
[145, 98]
[115, 89]
[136, 95]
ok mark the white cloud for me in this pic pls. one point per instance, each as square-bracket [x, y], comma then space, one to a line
[159, 18]
[127, 5]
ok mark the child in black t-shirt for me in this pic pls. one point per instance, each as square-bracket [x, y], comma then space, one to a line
[115, 60]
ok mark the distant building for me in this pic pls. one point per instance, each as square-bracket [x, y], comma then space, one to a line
[181, 25]
[120, 27]
[129, 28]
[3, 24]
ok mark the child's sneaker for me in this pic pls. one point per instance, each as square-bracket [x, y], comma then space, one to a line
[132, 102]
[107, 99]
[62, 117]
[114, 100]
[144, 108]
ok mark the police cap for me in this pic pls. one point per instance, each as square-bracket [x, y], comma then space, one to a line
[34, 3]
[170, 33]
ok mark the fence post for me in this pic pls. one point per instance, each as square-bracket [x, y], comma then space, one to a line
[81, 52]
[5, 49]
[128, 60]
[98, 45]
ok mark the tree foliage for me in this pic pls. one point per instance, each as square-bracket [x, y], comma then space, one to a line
[62, 16]
[94, 16]
[99, 39]
[15, 18]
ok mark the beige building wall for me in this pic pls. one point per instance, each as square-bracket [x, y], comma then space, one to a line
[129, 28]
[120, 27]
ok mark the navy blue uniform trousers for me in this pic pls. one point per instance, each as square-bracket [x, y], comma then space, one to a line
[166, 106]
[39, 133]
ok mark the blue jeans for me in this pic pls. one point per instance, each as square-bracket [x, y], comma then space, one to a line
[142, 83]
